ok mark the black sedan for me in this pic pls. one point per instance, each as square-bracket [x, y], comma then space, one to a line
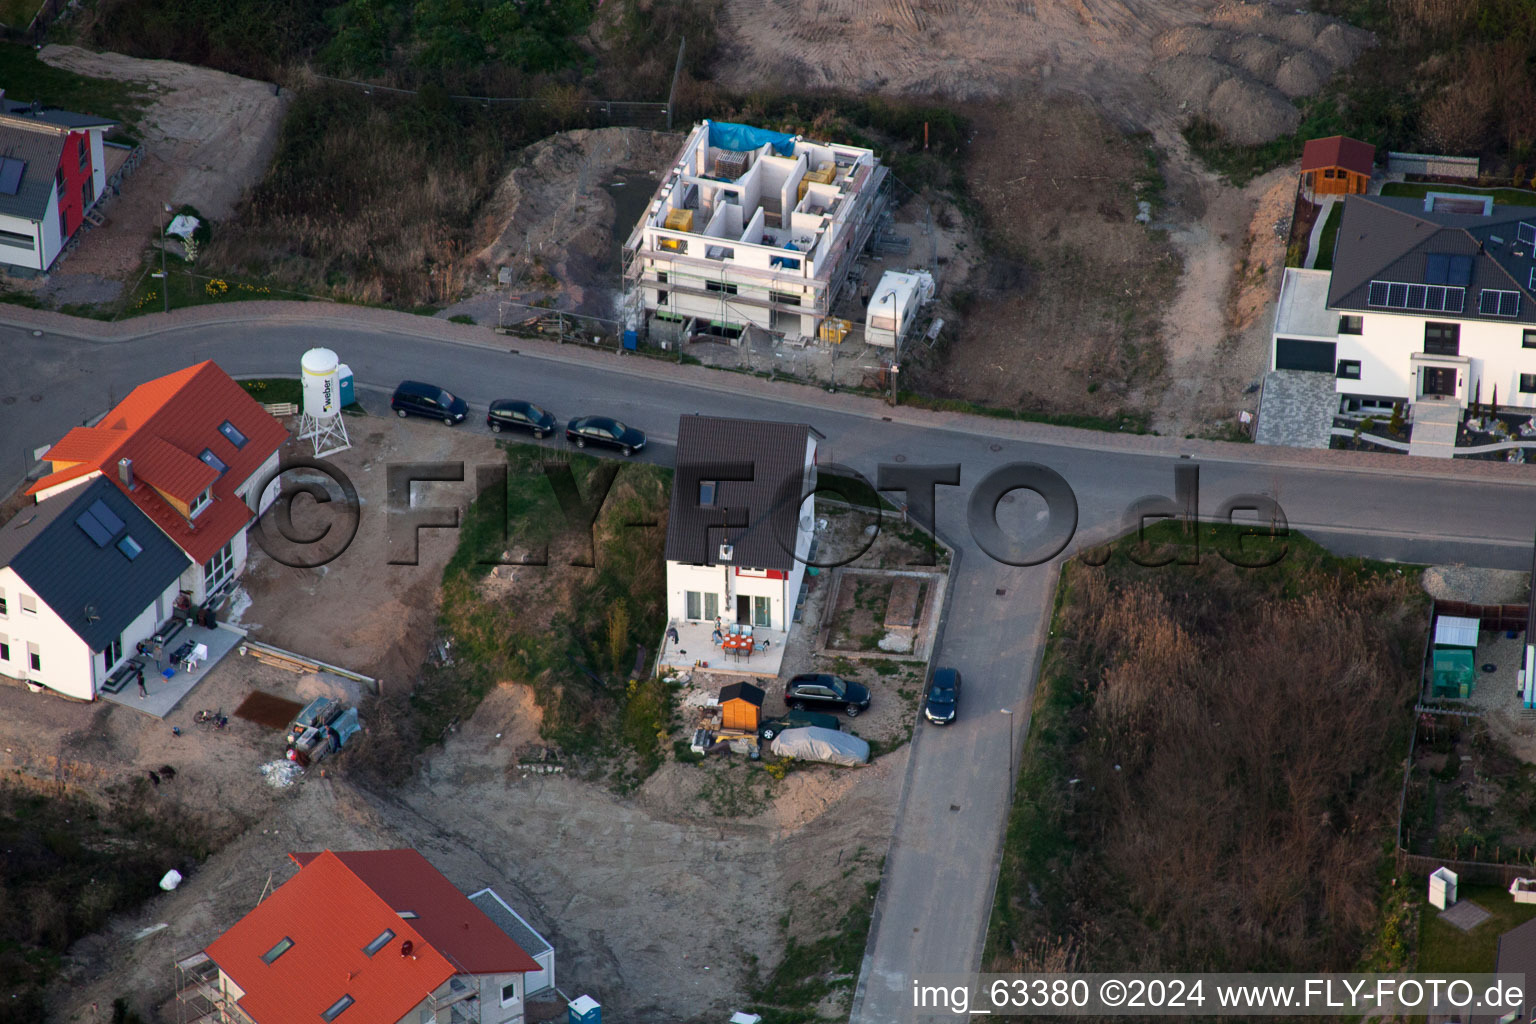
[506, 414]
[943, 696]
[604, 431]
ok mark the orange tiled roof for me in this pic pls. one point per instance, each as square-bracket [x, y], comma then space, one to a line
[164, 426]
[330, 915]
[407, 881]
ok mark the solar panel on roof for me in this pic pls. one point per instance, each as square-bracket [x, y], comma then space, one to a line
[1526, 233]
[11, 171]
[93, 528]
[1460, 271]
[1378, 295]
[106, 517]
[1493, 302]
[1437, 268]
[1509, 304]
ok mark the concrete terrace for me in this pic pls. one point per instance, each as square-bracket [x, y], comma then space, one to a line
[697, 652]
[166, 693]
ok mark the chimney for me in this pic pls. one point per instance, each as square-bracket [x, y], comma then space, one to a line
[125, 473]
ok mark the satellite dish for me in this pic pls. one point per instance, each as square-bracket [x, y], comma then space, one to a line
[406, 947]
[90, 613]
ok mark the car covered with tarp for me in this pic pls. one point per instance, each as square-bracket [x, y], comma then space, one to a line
[816, 744]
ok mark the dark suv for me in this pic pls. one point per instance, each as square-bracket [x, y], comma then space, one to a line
[413, 398]
[813, 690]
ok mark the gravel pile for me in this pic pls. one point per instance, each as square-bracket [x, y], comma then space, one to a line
[1477, 586]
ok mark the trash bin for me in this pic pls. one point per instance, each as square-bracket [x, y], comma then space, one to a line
[631, 340]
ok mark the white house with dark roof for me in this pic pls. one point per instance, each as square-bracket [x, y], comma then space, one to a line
[52, 172]
[1429, 299]
[84, 576]
[739, 533]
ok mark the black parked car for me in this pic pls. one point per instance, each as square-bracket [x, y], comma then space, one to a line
[506, 414]
[771, 727]
[604, 431]
[413, 398]
[943, 696]
[827, 691]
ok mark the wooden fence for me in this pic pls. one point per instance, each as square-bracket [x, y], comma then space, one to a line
[1468, 872]
[1492, 617]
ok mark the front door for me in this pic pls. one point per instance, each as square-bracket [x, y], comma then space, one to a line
[1439, 380]
[743, 609]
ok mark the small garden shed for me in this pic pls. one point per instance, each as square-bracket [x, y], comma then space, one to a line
[1337, 165]
[741, 707]
[1454, 661]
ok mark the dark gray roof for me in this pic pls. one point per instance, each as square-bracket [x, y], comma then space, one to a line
[503, 917]
[744, 691]
[54, 116]
[759, 470]
[1387, 238]
[40, 148]
[54, 555]
[1517, 955]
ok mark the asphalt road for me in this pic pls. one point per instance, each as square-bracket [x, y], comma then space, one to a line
[936, 895]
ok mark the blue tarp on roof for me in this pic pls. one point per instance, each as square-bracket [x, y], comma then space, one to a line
[738, 138]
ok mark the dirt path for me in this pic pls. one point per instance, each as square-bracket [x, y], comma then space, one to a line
[207, 135]
[1216, 330]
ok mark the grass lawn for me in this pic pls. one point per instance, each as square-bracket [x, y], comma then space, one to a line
[1325, 241]
[28, 78]
[1501, 196]
[190, 289]
[1444, 948]
[18, 14]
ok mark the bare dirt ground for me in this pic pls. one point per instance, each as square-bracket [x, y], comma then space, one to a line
[709, 856]
[207, 135]
[1238, 64]
[553, 219]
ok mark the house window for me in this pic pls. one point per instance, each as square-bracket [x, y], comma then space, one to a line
[271, 955]
[17, 239]
[379, 943]
[661, 275]
[1528, 339]
[509, 993]
[214, 461]
[5, 647]
[785, 298]
[1528, 383]
[707, 490]
[1349, 369]
[1442, 339]
[232, 434]
[762, 611]
[699, 606]
[85, 154]
[661, 298]
[1351, 325]
[58, 181]
[87, 193]
[219, 568]
[203, 501]
[334, 1010]
[4, 608]
[1329, 172]
[35, 657]
[28, 604]
[114, 653]
[724, 287]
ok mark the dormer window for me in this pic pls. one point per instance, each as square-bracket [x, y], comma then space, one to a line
[203, 501]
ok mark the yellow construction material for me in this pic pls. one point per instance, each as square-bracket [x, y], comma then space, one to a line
[680, 220]
[834, 331]
[822, 175]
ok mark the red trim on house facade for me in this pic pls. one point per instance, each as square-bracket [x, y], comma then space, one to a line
[75, 171]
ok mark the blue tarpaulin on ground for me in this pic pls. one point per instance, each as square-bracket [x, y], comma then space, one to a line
[739, 138]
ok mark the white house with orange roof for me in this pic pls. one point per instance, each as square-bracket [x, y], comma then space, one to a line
[371, 937]
[189, 450]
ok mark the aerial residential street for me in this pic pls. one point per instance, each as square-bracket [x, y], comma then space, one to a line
[936, 890]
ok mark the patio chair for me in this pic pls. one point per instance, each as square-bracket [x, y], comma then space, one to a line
[735, 629]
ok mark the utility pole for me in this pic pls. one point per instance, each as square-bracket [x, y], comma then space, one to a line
[1009, 713]
[165, 282]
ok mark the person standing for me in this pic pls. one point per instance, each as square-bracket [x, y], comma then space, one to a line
[142, 691]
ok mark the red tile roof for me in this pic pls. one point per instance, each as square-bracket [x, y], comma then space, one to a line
[164, 426]
[457, 928]
[330, 915]
[1338, 151]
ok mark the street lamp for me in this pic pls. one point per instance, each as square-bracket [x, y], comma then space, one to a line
[1009, 713]
[165, 282]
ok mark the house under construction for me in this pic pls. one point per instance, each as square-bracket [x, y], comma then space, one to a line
[752, 228]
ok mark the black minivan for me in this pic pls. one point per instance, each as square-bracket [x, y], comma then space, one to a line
[413, 398]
